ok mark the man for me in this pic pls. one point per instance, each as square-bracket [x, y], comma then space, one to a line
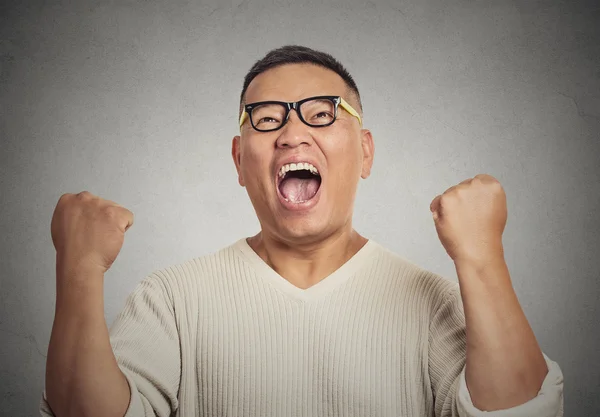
[308, 317]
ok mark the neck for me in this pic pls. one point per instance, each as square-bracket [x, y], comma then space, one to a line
[307, 264]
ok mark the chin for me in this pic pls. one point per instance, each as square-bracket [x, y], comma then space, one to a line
[299, 230]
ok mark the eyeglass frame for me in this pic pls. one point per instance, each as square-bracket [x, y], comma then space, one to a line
[337, 101]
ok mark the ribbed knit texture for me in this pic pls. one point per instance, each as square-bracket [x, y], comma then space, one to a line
[225, 335]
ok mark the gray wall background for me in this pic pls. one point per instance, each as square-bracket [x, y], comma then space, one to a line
[136, 101]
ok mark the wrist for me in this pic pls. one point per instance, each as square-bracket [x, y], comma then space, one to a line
[78, 285]
[493, 255]
[76, 270]
[483, 274]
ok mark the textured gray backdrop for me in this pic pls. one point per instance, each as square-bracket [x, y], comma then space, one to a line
[136, 101]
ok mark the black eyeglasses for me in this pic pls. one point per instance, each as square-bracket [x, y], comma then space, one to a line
[320, 111]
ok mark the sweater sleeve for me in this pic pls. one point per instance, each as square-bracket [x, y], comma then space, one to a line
[447, 358]
[144, 339]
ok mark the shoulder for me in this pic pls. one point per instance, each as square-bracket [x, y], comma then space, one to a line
[187, 277]
[407, 276]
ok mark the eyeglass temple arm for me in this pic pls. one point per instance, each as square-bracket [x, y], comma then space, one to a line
[350, 110]
[243, 118]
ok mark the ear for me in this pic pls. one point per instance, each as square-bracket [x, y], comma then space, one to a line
[235, 154]
[368, 148]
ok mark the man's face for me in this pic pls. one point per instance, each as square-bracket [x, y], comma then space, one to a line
[342, 153]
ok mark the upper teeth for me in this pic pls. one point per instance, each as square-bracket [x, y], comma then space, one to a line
[296, 167]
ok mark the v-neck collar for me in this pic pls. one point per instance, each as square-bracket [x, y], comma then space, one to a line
[326, 285]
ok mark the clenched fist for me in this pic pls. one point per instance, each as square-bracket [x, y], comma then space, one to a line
[470, 218]
[88, 231]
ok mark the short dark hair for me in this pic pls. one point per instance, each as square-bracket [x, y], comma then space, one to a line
[296, 54]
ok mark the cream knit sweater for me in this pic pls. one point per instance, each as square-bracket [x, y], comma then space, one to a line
[225, 335]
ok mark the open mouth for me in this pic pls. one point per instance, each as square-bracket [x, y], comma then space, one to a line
[299, 182]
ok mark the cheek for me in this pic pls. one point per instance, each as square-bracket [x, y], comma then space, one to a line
[255, 164]
[345, 157]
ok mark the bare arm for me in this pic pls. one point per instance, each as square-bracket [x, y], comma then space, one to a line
[131, 369]
[505, 367]
[500, 341]
[82, 375]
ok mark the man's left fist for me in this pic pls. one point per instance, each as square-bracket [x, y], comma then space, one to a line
[470, 218]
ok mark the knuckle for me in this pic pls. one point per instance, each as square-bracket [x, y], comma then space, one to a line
[110, 211]
[63, 198]
[448, 199]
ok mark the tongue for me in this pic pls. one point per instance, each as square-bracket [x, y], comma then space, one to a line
[297, 190]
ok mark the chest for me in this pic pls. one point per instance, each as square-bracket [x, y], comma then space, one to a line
[335, 357]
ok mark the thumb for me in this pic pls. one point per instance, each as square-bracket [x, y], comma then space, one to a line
[434, 207]
[435, 204]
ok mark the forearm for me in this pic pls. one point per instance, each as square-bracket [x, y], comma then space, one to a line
[505, 366]
[82, 375]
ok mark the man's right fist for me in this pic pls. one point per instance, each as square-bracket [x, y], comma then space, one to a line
[88, 231]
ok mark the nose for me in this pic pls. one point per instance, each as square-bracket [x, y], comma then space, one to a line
[294, 132]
